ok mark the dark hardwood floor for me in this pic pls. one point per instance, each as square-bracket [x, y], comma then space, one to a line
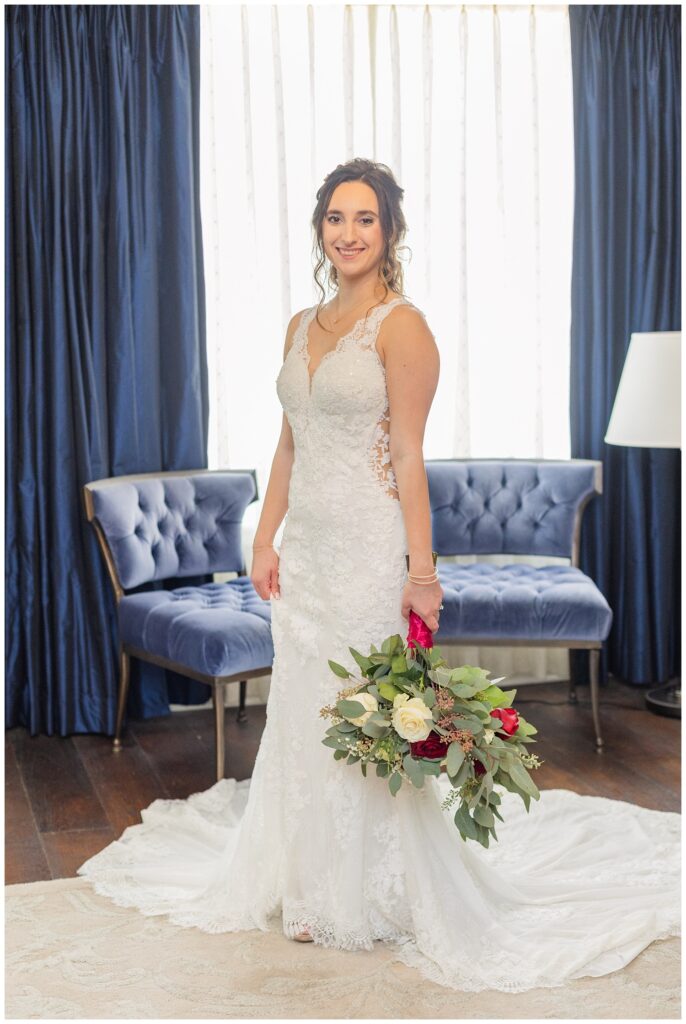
[67, 797]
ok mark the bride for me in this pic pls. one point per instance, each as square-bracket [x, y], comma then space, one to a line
[576, 887]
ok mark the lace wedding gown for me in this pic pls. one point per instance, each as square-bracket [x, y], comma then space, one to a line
[578, 886]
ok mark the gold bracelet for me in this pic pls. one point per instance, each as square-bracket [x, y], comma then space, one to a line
[260, 547]
[434, 559]
[423, 583]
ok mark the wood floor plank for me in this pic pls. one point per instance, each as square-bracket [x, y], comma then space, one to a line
[20, 825]
[176, 753]
[26, 862]
[58, 786]
[66, 851]
[123, 780]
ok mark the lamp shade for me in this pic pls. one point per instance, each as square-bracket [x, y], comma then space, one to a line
[647, 408]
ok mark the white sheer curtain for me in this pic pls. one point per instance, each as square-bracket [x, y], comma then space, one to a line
[471, 108]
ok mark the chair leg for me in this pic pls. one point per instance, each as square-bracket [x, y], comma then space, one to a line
[242, 714]
[218, 701]
[571, 695]
[594, 665]
[124, 676]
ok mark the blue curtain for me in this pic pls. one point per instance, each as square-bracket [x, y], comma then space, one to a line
[105, 324]
[626, 277]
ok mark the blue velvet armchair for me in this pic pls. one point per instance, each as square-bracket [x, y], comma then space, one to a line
[518, 507]
[157, 526]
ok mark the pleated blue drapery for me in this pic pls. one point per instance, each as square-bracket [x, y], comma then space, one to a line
[105, 330]
[627, 277]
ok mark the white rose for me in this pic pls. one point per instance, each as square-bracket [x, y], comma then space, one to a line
[489, 734]
[369, 701]
[411, 718]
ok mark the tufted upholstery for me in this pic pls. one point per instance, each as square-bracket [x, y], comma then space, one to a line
[217, 628]
[512, 507]
[167, 526]
[522, 507]
[553, 602]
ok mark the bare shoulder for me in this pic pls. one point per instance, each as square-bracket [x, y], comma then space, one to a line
[293, 325]
[405, 334]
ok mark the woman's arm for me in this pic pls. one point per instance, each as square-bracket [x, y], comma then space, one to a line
[264, 571]
[412, 365]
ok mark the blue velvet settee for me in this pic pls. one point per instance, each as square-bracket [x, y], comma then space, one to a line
[518, 507]
[161, 526]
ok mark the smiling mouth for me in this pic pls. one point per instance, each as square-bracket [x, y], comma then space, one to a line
[349, 252]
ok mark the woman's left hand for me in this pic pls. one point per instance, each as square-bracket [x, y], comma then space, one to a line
[424, 600]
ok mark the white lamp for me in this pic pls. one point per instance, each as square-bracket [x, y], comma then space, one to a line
[647, 408]
[647, 414]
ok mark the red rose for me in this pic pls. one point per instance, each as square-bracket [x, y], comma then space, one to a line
[478, 767]
[433, 746]
[510, 719]
[419, 632]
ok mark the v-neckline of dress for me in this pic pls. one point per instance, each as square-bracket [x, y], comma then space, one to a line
[332, 351]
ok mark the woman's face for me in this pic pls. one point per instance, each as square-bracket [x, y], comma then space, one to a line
[351, 222]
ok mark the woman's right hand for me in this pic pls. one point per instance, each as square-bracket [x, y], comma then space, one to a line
[264, 573]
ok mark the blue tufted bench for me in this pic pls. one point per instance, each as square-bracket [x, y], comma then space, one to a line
[157, 526]
[522, 507]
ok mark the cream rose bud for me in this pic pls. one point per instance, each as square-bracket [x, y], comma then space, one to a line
[411, 718]
[489, 734]
[369, 701]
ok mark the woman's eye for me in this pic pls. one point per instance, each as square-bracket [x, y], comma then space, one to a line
[365, 220]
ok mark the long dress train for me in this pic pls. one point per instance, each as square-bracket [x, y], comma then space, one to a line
[576, 887]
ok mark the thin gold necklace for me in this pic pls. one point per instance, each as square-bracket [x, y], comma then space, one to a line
[348, 312]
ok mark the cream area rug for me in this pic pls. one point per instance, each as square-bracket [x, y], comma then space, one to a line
[71, 954]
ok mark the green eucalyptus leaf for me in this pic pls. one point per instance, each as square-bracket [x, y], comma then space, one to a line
[414, 771]
[374, 731]
[484, 816]
[394, 783]
[521, 777]
[389, 691]
[465, 822]
[339, 670]
[429, 697]
[494, 695]
[482, 835]
[464, 772]
[351, 708]
[331, 741]
[455, 758]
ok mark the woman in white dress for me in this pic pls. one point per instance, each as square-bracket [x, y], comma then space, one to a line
[578, 886]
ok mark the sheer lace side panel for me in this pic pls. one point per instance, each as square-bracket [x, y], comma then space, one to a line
[380, 456]
[380, 453]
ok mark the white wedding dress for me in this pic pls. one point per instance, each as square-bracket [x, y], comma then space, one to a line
[578, 886]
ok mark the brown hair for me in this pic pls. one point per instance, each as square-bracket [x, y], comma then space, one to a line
[389, 195]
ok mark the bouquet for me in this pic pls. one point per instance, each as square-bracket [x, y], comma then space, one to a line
[412, 716]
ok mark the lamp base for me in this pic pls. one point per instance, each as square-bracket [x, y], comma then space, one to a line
[665, 700]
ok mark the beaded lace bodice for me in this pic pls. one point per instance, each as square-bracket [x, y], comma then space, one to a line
[340, 407]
